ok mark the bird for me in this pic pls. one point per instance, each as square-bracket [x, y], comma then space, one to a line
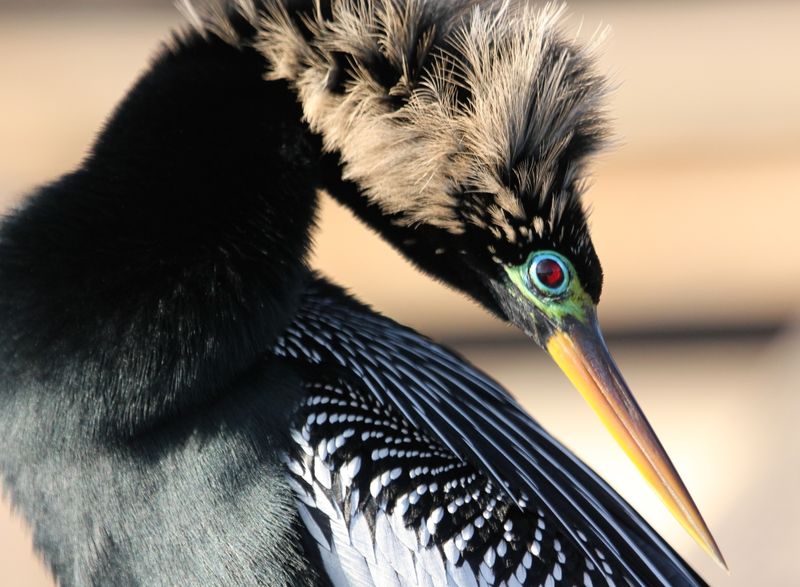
[184, 400]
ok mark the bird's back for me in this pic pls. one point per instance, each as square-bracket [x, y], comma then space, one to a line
[410, 467]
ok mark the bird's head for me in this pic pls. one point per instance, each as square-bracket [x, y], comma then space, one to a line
[465, 127]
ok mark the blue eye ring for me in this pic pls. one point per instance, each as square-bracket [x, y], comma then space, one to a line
[549, 273]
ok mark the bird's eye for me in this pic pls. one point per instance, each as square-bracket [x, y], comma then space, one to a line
[549, 274]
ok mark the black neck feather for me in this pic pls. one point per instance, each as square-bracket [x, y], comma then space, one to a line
[153, 275]
[148, 280]
[445, 256]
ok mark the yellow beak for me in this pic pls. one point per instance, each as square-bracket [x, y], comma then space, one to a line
[582, 354]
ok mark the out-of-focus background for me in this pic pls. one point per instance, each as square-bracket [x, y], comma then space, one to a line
[695, 218]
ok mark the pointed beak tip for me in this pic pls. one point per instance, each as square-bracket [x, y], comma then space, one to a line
[716, 554]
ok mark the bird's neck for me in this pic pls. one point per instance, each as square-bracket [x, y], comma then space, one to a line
[149, 280]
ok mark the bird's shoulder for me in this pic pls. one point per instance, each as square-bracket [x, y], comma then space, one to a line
[410, 464]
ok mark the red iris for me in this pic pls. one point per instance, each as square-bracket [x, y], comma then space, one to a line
[550, 273]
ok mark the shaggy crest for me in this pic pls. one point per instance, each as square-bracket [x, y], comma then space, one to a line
[458, 114]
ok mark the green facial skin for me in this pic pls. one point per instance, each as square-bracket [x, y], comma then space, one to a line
[571, 303]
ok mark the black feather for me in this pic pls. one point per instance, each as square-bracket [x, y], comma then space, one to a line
[154, 274]
[140, 426]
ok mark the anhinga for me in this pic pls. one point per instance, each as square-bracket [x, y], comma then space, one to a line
[184, 402]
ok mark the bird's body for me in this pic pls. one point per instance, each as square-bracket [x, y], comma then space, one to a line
[183, 401]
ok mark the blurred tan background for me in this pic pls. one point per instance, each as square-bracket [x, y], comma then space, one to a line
[695, 219]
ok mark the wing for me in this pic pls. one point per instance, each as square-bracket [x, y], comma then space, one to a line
[477, 482]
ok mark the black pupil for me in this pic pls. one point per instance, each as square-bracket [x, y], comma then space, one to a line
[550, 273]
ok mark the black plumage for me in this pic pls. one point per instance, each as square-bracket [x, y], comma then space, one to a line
[162, 343]
[140, 294]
